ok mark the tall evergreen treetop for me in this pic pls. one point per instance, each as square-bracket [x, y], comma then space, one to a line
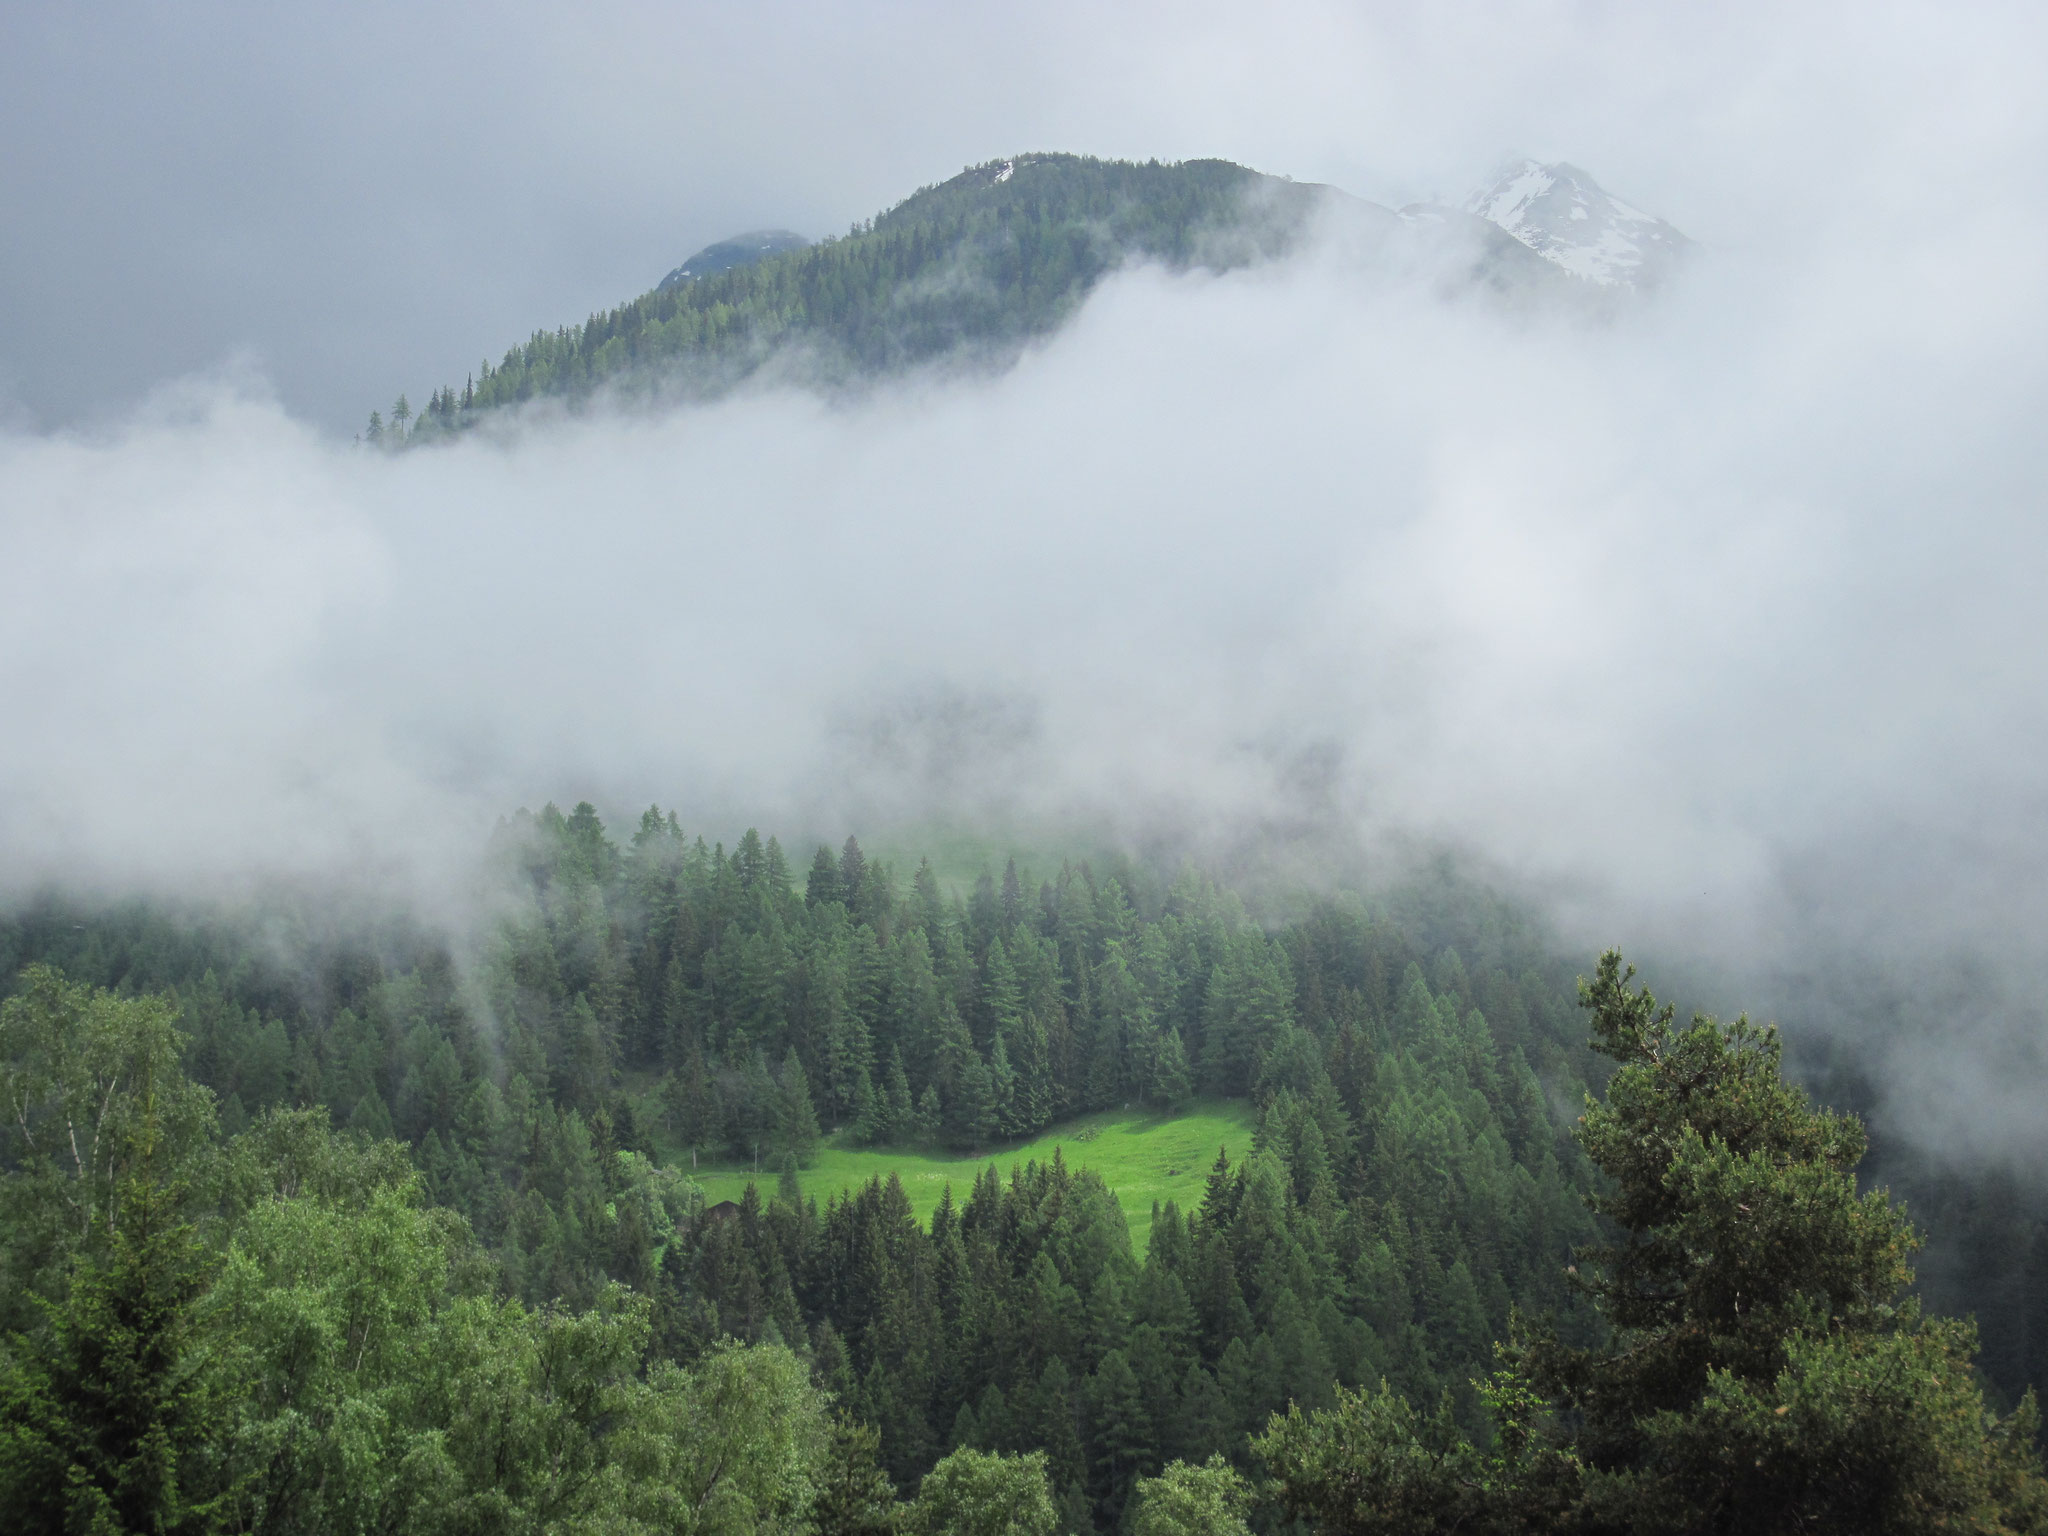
[1764, 1374]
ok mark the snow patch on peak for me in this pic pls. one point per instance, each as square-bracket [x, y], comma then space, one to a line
[1509, 198]
[1009, 169]
[1563, 215]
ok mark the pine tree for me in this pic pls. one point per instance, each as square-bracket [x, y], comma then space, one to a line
[775, 871]
[1763, 1374]
[750, 860]
[849, 1061]
[1034, 1093]
[899, 1121]
[1012, 897]
[1202, 1427]
[1123, 1023]
[796, 1121]
[927, 907]
[1119, 1431]
[854, 1495]
[1168, 1082]
[984, 913]
[853, 878]
[962, 1079]
[1002, 1078]
[824, 883]
[1250, 1006]
[679, 1034]
[1002, 996]
[930, 1119]
[866, 1125]
[754, 1109]
[921, 1011]
[975, 1117]
[695, 1108]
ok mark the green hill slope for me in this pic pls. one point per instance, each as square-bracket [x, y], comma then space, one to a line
[972, 268]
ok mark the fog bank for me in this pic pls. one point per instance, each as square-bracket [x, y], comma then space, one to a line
[1714, 629]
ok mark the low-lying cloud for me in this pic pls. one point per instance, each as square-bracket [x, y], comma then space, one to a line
[1716, 627]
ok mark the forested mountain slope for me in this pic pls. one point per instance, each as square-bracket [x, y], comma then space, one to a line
[970, 268]
[343, 1230]
[1410, 1180]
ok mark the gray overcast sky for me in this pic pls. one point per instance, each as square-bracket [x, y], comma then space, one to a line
[354, 199]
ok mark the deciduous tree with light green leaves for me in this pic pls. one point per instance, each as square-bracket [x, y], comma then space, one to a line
[733, 1446]
[110, 1402]
[80, 1070]
[1209, 1499]
[281, 1334]
[979, 1493]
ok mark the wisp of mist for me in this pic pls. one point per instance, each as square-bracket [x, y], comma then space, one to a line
[1714, 626]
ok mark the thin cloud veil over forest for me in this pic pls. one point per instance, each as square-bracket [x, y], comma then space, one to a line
[1694, 621]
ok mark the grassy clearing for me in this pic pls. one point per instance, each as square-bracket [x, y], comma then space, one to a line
[1142, 1156]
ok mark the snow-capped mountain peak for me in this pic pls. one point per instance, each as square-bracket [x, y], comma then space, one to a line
[1563, 215]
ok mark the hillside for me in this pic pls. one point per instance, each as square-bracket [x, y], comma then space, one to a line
[974, 267]
[414, 1182]
[1387, 1102]
[971, 270]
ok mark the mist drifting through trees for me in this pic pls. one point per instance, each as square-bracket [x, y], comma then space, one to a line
[1267, 647]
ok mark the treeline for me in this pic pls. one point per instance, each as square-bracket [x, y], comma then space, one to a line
[623, 967]
[275, 1331]
[1410, 1182]
[1022, 1321]
[999, 254]
[665, 993]
[1986, 1224]
[519, 1117]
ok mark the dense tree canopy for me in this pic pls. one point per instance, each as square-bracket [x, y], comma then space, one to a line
[332, 1233]
[1763, 1372]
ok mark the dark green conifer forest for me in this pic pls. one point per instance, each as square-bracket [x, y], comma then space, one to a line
[316, 1223]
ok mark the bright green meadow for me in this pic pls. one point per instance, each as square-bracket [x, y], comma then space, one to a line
[1142, 1156]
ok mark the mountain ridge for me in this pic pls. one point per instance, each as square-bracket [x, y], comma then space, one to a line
[968, 271]
[736, 251]
[1020, 242]
[1562, 214]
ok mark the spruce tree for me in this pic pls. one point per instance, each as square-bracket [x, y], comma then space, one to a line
[1012, 897]
[1002, 997]
[1120, 1430]
[930, 1119]
[796, 1121]
[824, 884]
[1034, 1093]
[1002, 1078]
[854, 1495]
[853, 868]
[898, 1122]
[1764, 1371]
[1168, 1082]
[927, 907]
